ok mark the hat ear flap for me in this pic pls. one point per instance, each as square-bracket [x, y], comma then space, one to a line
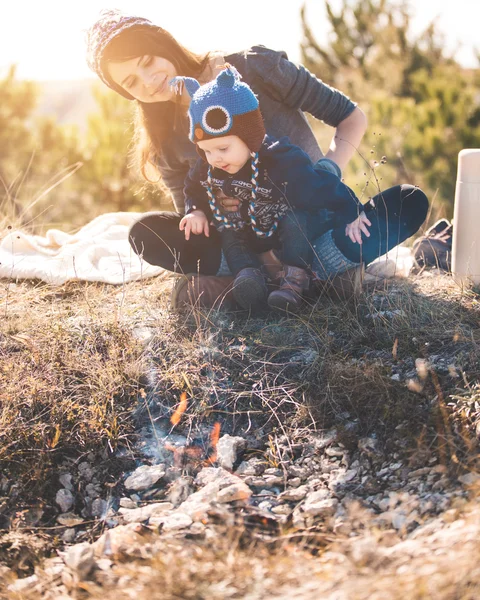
[190, 84]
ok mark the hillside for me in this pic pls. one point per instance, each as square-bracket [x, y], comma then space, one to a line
[68, 101]
[205, 455]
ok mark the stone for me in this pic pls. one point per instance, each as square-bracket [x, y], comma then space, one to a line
[323, 508]
[86, 471]
[92, 490]
[179, 490]
[469, 478]
[399, 520]
[120, 541]
[173, 522]
[236, 491]
[294, 482]
[68, 536]
[252, 467]
[228, 448]
[142, 513]
[281, 509]
[369, 446]
[213, 480]
[22, 585]
[343, 477]
[419, 472]
[322, 440]
[126, 502]
[69, 519]
[217, 475]
[66, 480]
[99, 507]
[298, 472]
[64, 499]
[80, 559]
[145, 477]
[334, 451]
[294, 494]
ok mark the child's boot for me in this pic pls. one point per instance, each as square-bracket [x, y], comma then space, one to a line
[250, 289]
[289, 297]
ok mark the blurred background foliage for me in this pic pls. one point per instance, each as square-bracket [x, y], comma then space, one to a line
[423, 108]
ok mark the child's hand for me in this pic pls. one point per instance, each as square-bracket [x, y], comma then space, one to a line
[354, 230]
[195, 222]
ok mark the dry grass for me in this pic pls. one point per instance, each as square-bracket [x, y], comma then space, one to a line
[82, 365]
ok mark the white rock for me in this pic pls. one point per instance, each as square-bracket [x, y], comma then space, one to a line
[217, 475]
[198, 503]
[127, 503]
[80, 559]
[399, 520]
[68, 535]
[318, 495]
[324, 508]
[137, 515]
[254, 466]
[295, 482]
[66, 480]
[64, 499]
[227, 450]
[145, 477]
[282, 509]
[236, 491]
[173, 522]
[294, 494]
[22, 585]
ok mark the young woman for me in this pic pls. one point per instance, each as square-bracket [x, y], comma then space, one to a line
[138, 59]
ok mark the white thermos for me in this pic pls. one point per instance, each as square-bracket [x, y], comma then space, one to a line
[466, 220]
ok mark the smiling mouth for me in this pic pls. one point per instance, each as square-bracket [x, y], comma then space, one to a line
[160, 88]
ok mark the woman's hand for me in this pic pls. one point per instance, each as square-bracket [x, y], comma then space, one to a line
[195, 222]
[355, 228]
[228, 204]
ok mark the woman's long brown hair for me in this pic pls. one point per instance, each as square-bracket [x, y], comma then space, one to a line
[154, 122]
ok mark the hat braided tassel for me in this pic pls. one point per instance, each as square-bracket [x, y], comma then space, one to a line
[251, 207]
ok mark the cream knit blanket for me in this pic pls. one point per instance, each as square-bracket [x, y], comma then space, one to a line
[100, 251]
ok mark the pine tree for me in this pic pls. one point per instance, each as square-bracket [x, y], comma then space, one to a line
[423, 108]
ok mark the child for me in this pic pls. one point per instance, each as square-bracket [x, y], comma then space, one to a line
[283, 197]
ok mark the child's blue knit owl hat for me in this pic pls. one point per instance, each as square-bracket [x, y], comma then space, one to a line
[224, 106]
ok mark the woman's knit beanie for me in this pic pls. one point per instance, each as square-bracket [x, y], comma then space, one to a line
[224, 106]
[110, 24]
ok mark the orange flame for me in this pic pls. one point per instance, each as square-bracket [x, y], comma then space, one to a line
[214, 437]
[181, 408]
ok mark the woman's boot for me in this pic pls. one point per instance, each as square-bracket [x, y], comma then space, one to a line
[202, 291]
[289, 297]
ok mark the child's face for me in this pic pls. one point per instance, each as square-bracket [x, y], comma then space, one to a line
[228, 153]
[146, 78]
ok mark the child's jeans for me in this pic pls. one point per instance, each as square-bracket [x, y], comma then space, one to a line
[293, 239]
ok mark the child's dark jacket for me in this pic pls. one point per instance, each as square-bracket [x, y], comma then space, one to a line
[287, 180]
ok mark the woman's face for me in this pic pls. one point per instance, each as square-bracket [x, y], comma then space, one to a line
[146, 78]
